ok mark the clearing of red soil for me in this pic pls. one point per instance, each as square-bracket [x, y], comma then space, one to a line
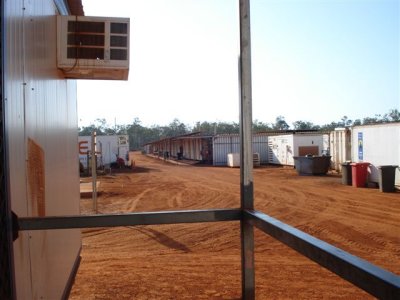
[202, 261]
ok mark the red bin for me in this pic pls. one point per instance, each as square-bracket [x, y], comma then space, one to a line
[359, 172]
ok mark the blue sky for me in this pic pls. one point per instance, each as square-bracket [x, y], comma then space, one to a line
[314, 60]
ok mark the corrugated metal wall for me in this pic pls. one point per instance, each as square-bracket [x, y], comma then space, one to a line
[44, 175]
[378, 145]
[340, 147]
[230, 143]
[191, 147]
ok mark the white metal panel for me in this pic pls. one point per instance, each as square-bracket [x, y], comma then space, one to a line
[305, 140]
[340, 147]
[380, 146]
[325, 143]
[43, 108]
[281, 149]
[14, 90]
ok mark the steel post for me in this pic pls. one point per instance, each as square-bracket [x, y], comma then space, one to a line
[246, 152]
[94, 171]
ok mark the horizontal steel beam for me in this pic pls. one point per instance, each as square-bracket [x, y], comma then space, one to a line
[129, 219]
[372, 279]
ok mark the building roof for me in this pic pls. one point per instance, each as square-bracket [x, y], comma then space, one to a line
[193, 135]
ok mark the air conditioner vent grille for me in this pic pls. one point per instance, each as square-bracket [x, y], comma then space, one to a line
[85, 53]
[118, 54]
[119, 28]
[76, 39]
[86, 26]
[93, 47]
[118, 41]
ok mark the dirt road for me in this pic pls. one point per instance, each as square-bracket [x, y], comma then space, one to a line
[202, 261]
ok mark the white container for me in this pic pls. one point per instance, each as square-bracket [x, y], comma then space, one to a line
[282, 148]
[256, 160]
[108, 148]
[233, 160]
[379, 145]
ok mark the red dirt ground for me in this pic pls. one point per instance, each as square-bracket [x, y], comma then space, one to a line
[202, 261]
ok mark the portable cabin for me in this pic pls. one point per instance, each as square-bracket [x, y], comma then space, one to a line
[108, 149]
[282, 148]
[378, 144]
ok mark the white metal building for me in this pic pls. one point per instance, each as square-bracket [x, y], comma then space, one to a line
[379, 145]
[41, 126]
[108, 148]
[282, 148]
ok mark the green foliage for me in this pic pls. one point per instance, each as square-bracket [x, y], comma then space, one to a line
[259, 126]
[305, 125]
[216, 128]
[140, 135]
[280, 123]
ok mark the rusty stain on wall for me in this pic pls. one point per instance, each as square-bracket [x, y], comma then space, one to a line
[36, 178]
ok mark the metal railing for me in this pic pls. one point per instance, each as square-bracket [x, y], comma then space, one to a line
[372, 279]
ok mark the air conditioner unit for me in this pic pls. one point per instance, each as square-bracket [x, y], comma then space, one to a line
[93, 47]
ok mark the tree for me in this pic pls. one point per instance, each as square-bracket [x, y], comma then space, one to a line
[216, 128]
[393, 115]
[331, 126]
[345, 122]
[280, 123]
[174, 128]
[259, 126]
[304, 125]
[369, 120]
[99, 126]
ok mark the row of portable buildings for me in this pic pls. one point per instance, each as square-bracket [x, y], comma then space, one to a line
[377, 144]
[277, 147]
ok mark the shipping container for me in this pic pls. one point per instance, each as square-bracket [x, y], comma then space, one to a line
[108, 149]
[379, 145]
[282, 148]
